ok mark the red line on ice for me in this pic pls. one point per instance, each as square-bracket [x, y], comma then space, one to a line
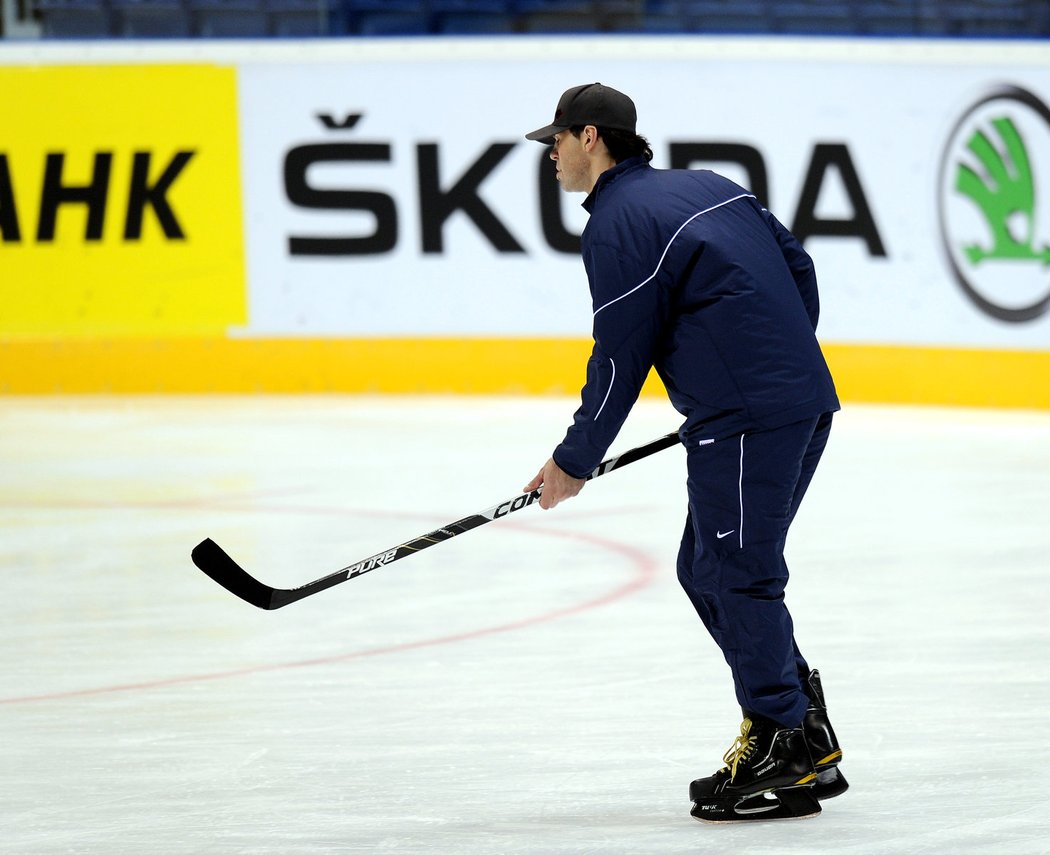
[644, 567]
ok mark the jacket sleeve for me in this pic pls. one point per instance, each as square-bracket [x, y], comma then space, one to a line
[629, 313]
[800, 264]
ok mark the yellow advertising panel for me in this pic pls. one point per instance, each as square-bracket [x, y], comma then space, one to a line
[120, 201]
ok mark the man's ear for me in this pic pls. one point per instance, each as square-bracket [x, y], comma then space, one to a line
[589, 138]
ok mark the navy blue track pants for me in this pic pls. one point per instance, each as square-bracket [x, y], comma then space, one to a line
[744, 492]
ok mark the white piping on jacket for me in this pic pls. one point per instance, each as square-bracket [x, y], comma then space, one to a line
[740, 488]
[663, 255]
[651, 277]
[608, 391]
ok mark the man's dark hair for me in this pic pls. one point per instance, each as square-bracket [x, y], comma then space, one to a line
[621, 144]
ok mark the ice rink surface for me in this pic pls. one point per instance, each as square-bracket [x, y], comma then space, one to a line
[539, 685]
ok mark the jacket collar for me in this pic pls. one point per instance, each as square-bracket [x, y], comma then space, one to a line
[610, 175]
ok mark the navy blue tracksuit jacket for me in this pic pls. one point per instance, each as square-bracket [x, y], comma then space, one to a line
[688, 273]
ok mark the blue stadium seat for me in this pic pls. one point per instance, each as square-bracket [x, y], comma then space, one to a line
[416, 7]
[302, 18]
[392, 24]
[620, 15]
[529, 7]
[472, 16]
[386, 17]
[75, 19]
[989, 17]
[815, 17]
[710, 16]
[665, 16]
[466, 7]
[1038, 21]
[151, 19]
[229, 19]
[556, 16]
[887, 18]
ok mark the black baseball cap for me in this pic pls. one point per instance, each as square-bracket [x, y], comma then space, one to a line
[590, 104]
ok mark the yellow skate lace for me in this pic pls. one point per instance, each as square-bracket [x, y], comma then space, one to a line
[742, 748]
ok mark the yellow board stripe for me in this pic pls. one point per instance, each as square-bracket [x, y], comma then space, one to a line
[481, 366]
[863, 373]
[931, 375]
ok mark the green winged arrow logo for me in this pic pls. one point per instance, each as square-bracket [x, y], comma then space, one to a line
[1005, 195]
[993, 203]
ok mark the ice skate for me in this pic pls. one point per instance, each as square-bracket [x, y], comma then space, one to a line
[822, 742]
[768, 775]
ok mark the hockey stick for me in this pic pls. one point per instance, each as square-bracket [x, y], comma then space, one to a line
[211, 558]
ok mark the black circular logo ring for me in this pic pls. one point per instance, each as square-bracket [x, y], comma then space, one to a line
[1003, 313]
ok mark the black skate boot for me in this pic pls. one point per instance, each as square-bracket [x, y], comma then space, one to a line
[823, 745]
[768, 775]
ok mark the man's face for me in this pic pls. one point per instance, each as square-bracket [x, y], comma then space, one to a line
[574, 166]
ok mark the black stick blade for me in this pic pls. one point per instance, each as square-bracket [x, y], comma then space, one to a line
[211, 559]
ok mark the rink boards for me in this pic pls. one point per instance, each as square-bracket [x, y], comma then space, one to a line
[366, 217]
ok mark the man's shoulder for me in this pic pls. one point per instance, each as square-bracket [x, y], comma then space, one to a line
[657, 180]
[660, 196]
[706, 178]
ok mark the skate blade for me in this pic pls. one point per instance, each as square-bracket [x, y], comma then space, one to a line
[798, 803]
